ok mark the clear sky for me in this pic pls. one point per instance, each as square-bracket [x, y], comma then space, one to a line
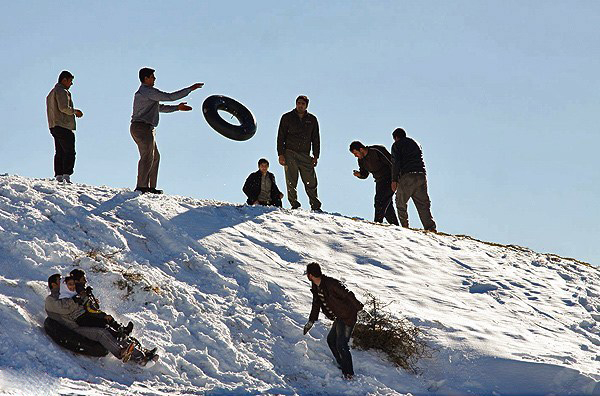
[502, 95]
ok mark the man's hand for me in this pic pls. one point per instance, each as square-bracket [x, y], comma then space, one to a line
[282, 160]
[183, 107]
[78, 113]
[196, 86]
[255, 202]
[280, 195]
[394, 186]
[315, 160]
[108, 318]
[308, 325]
[356, 173]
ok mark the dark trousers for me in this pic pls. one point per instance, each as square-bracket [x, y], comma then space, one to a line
[338, 339]
[88, 319]
[64, 155]
[383, 202]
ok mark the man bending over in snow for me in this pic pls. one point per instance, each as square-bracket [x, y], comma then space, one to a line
[338, 304]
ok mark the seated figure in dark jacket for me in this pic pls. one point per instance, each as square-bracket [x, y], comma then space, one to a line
[260, 186]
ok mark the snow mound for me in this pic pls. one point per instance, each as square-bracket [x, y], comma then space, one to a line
[218, 288]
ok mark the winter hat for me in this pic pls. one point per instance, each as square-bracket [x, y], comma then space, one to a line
[65, 292]
[304, 98]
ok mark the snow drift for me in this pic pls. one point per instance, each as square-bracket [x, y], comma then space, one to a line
[218, 288]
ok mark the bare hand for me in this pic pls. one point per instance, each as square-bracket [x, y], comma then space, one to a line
[196, 86]
[108, 318]
[356, 173]
[255, 202]
[394, 186]
[315, 160]
[78, 113]
[183, 107]
[282, 160]
[281, 196]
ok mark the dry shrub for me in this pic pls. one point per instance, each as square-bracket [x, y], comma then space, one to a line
[399, 339]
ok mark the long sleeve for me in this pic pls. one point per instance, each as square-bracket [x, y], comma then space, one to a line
[281, 136]
[395, 161]
[316, 307]
[316, 140]
[364, 173]
[159, 96]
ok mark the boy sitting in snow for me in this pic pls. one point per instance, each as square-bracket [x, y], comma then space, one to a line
[91, 319]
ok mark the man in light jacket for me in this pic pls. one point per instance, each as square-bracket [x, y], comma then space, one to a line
[144, 120]
[61, 121]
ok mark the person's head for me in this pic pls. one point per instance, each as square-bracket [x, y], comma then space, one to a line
[70, 282]
[313, 272]
[78, 276]
[398, 134]
[358, 149]
[301, 103]
[147, 76]
[54, 281]
[66, 78]
[263, 165]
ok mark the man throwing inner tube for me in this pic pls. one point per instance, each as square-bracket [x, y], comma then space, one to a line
[298, 131]
[144, 120]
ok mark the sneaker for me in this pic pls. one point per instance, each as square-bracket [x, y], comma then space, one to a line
[126, 354]
[67, 179]
[59, 178]
[154, 191]
[149, 356]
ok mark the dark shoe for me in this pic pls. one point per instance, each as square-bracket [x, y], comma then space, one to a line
[154, 191]
[348, 376]
[142, 189]
[295, 206]
[128, 329]
[317, 210]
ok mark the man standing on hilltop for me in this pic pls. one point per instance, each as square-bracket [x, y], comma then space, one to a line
[377, 160]
[61, 120]
[338, 304]
[410, 180]
[144, 120]
[298, 132]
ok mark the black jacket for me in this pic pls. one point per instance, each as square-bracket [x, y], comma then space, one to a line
[340, 301]
[378, 161]
[252, 188]
[407, 156]
[298, 134]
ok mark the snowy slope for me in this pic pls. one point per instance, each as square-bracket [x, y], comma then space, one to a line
[218, 288]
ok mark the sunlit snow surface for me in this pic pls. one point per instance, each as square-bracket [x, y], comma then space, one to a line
[218, 288]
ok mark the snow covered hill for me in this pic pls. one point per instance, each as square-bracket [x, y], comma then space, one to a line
[218, 288]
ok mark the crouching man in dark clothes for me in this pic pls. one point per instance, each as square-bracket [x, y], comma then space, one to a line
[338, 304]
[378, 161]
[66, 311]
[260, 187]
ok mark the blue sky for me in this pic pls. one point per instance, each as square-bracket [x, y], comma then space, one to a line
[502, 95]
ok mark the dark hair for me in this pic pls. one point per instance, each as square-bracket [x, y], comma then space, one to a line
[399, 133]
[53, 279]
[77, 274]
[304, 98]
[69, 278]
[263, 161]
[356, 145]
[314, 269]
[145, 72]
[65, 74]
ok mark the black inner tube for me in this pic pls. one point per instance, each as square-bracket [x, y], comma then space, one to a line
[244, 131]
